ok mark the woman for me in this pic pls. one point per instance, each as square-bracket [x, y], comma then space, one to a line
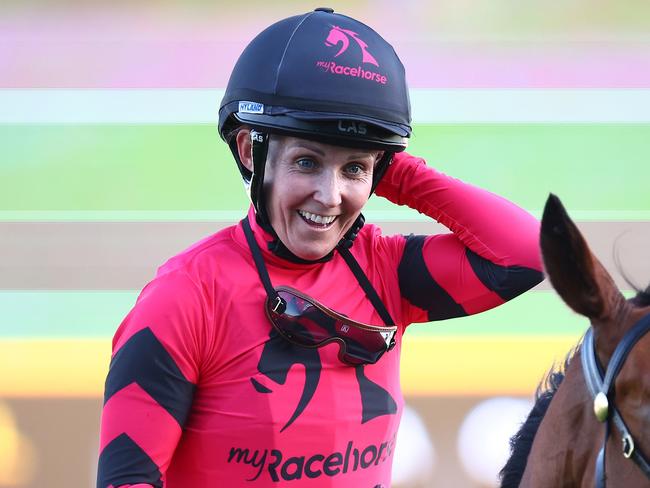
[268, 353]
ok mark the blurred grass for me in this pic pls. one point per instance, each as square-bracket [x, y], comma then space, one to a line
[93, 314]
[595, 167]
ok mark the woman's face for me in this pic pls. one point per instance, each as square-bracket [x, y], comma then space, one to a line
[314, 192]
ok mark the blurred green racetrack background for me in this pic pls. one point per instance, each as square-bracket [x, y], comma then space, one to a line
[110, 162]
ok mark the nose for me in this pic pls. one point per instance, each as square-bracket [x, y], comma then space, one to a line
[329, 189]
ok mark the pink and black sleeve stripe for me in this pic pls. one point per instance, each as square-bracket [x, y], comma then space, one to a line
[146, 403]
[444, 279]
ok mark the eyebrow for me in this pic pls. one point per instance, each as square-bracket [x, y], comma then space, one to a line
[320, 152]
[306, 145]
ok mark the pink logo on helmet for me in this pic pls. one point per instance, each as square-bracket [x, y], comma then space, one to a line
[339, 37]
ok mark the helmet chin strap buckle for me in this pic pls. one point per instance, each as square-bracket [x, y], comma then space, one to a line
[352, 233]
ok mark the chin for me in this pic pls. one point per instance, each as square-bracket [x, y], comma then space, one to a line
[311, 254]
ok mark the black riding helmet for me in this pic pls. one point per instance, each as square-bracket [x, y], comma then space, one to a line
[321, 76]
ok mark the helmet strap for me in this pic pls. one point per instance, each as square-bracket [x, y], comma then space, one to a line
[348, 239]
[253, 180]
[259, 151]
[380, 169]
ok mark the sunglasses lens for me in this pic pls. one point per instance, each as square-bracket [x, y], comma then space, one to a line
[305, 324]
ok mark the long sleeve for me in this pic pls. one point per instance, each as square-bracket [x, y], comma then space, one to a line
[491, 256]
[150, 384]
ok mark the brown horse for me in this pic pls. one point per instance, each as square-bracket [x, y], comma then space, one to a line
[560, 443]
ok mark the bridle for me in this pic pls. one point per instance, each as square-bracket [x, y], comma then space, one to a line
[600, 386]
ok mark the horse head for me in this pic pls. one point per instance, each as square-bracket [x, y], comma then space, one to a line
[337, 36]
[568, 438]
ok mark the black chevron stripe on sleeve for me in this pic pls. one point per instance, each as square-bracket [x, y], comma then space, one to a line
[419, 288]
[506, 281]
[144, 360]
[121, 460]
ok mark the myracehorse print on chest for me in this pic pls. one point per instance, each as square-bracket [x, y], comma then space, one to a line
[590, 426]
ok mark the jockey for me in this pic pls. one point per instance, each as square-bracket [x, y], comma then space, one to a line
[267, 354]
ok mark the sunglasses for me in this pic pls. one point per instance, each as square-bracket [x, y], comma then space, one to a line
[303, 321]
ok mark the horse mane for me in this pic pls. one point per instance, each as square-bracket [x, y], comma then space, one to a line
[642, 298]
[522, 441]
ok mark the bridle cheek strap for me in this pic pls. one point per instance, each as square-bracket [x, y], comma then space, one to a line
[600, 386]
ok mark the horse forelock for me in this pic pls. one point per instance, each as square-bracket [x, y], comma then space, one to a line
[522, 442]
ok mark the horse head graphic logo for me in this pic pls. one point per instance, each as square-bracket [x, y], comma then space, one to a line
[337, 36]
[277, 361]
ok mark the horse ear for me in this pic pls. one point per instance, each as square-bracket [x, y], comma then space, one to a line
[576, 274]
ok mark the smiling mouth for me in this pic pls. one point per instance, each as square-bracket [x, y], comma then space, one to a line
[315, 220]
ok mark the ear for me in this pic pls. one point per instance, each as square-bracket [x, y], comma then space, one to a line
[576, 274]
[244, 148]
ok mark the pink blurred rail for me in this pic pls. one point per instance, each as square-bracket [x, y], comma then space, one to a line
[206, 64]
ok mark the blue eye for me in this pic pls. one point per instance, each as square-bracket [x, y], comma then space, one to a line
[355, 169]
[306, 163]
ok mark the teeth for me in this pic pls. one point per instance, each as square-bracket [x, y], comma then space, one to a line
[318, 219]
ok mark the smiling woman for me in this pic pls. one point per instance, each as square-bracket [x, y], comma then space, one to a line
[202, 388]
[314, 191]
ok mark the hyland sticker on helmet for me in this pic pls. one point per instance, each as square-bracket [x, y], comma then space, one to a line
[246, 107]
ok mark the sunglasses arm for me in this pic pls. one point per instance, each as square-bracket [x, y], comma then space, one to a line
[279, 305]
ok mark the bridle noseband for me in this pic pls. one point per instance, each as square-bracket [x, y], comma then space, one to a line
[600, 386]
